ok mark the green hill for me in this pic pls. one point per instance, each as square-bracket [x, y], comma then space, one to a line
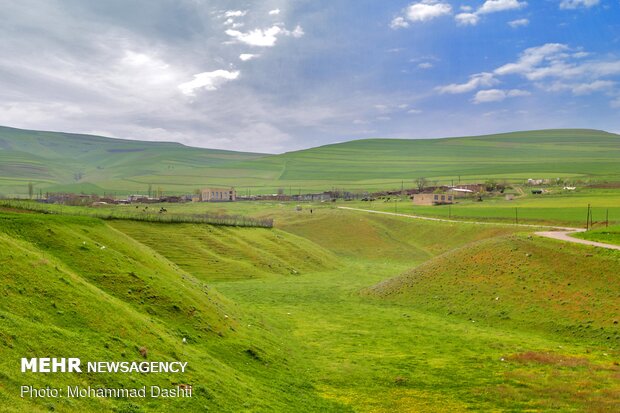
[520, 282]
[56, 161]
[308, 316]
[76, 287]
[67, 162]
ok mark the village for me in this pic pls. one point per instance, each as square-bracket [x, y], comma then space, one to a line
[421, 194]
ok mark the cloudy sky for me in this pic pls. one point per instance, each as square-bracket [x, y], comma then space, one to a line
[274, 75]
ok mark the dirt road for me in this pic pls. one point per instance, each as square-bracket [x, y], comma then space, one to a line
[558, 233]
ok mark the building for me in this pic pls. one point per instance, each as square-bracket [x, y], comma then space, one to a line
[218, 194]
[433, 199]
[461, 192]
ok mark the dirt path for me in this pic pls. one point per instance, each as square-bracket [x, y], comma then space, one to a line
[558, 233]
[565, 236]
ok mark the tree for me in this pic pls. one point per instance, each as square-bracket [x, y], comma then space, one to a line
[30, 190]
[421, 183]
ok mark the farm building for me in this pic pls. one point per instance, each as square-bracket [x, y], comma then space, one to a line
[218, 195]
[460, 192]
[432, 199]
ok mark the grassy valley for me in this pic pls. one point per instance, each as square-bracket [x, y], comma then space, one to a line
[331, 311]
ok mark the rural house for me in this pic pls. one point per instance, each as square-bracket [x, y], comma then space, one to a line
[218, 195]
[432, 199]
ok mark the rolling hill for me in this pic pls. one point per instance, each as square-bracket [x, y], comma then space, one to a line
[76, 287]
[67, 162]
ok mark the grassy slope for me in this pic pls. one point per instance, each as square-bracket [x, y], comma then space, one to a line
[64, 295]
[317, 336]
[533, 284]
[225, 253]
[51, 159]
[392, 355]
[547, 153]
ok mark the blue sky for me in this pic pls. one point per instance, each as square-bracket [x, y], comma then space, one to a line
[275, 76]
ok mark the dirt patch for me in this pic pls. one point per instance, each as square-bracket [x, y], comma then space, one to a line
[561, 360]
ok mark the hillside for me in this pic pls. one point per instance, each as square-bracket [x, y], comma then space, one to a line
[75, 287]
[56, 161]
[67, 162]
[548, 153]
[521, 282]
[483, 319]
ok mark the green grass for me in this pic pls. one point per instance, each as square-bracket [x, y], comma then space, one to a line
[75, 287]
[380, 314]
[74, 163]
[143, 213]
[610, 235]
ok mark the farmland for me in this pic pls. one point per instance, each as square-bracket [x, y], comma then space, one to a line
[554, 207]
[59, 162]
[330, 311]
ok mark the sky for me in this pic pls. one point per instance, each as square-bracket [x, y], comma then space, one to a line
[275, 76]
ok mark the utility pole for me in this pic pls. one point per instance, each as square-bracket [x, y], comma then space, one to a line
[588, 218]
[607, 218]
[450, 211]
[517, 215]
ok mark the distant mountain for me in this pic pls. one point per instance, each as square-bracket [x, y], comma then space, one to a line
[55, 161]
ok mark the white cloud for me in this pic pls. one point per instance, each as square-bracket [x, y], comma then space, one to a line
[399, 23]
[427, 10]
[296, 33]
[465, 19]
[518, 23]
[533, 57]
[264, 37]
[552, 67]
[494, 6]
[248, 56]
[235, 13]
[497, 95]
[475, 82]
[574, 4]
[414, 111]
[208, 81]
[274, 12]
[472, 18]
[466, 8]
[425, 65]
[582, 88]
[421, 11]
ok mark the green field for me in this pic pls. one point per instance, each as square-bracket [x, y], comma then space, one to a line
[330, 311]
[57, 162]
[555, 207]
[610, 235]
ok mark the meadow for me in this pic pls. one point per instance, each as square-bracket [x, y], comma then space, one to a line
[330, 311]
